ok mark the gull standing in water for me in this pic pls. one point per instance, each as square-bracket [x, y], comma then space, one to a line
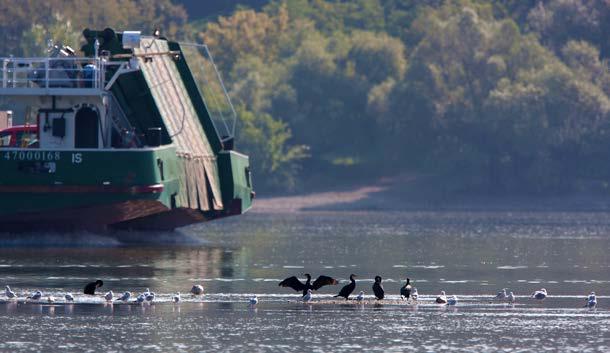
[414, 294]
[378, 288]
[9, 293]
[141, 298]
[150, 297]
[253, 300]
[360, 296]
[125, 297]
[307, 296]
[511, 298]
[441, 299]
[50, 299]
[176, 298]
[69, 297]
[197, 289]
[36, 296]
[109, 296]
[405, 291]
[452, 301]
[539, 294]
[348, 289]
[591, 300]
[501, 295]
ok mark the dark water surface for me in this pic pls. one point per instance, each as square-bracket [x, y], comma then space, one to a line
[471, 255]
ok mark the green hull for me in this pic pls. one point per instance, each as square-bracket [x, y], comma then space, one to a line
[97, 189]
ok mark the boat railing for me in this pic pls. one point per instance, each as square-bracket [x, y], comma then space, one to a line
[28, 74]
[128, 135]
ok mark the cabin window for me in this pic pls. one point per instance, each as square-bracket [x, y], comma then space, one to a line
[86, 128]
[26, 139]
[5, 139]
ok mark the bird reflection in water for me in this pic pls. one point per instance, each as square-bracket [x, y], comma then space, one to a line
[11, 307]
[109, 307]
[50, 309]
[69, 309]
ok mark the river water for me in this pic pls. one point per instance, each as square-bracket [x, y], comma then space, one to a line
[472, 255]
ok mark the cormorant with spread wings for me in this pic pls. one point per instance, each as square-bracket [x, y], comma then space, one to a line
[294, 283]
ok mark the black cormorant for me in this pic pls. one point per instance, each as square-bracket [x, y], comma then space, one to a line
[197, 289]
[378, 288]
[91, 287]
[405, 291]
[294, 283]
[348, 289]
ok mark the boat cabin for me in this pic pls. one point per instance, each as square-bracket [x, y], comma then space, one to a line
[68, 99]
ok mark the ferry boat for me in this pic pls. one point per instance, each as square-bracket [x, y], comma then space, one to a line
[123, 137]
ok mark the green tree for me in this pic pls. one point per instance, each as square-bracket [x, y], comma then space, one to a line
[275, 163]
[18, 16]
[36, 40]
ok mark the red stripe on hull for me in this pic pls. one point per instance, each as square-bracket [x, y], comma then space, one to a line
[75, 189]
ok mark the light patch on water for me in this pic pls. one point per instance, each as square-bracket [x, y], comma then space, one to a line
[456, 281]
[575, 281]
[292, 266]
[69, 278]
[509, 267]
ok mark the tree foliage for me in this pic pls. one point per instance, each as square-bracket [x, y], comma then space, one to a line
[503, 95]
[18, 16]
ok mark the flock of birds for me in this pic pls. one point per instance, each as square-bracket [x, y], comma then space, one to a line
[407, 292]
[145, 297]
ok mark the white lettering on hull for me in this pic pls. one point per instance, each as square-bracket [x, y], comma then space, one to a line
[32, 156]
[77, 158]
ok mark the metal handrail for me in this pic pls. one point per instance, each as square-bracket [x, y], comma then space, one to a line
[56, 72]
[120, 121]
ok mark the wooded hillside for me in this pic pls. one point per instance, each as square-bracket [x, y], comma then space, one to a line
[503, 96]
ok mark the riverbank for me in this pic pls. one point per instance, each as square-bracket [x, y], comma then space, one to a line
[411, 193]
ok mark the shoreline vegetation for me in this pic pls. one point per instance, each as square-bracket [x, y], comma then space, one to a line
[493, 98]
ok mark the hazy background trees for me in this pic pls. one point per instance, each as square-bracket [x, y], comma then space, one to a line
[501, 96]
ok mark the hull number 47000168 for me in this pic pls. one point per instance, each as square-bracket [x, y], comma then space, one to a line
[32, 156]
[44, 156]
